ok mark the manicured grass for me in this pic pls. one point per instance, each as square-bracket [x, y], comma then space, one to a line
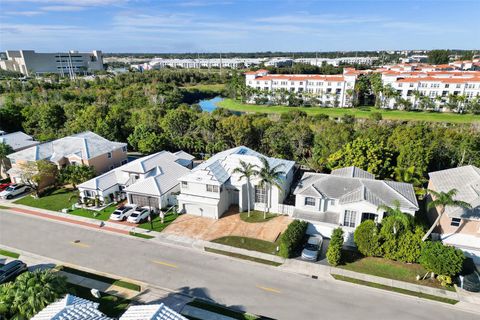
[385, 268]
[54, 200]
[212, 307]
[116, 282]
[141, 235]
[103, 214]
[360, 112]
[10, 254]
[3, 207]
[256, 216]
[157, 223]
[248, 243]
[394, 289]
[241, 256]
[110, 305]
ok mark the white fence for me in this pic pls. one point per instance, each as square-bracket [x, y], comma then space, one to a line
[282, 208]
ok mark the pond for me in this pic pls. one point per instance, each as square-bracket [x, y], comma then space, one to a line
[210, 104]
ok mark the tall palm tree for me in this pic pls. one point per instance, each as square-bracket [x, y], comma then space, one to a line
[269, 176]
[247, 171]
[443, 200]
[408, 175]
[398, 216]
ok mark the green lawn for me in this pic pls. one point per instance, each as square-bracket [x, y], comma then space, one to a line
[157, 223]
[110, 305]
[394, 289]
[141, 235]
[243, 257]
[105, 279]
[213, 307]
[389, 269]
[59, 199]
[248, 243]
[10, 254]
[3, 207]
[360, 112]
[256, 216]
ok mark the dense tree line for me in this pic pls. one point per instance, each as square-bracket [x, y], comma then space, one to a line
[151, 111]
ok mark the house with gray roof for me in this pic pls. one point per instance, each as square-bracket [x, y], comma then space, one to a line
[17, 141]
[459, 227]
[212, 187]
[72, 308]
[148, 181]
[346, 197]
[85, 148]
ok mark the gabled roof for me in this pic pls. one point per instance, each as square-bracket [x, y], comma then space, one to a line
[145, 164]
[72, 308]
[85, 145]
[353, 172]
[18, 140]
[349, 189]
[466, 180]
[151, 312]
[219, 168]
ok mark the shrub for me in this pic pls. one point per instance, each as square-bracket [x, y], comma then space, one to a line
[440, 259]
[334, 251]
[291, 239]
[367, 239]
[409, 246]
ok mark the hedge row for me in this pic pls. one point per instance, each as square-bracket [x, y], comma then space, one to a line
[292, 238]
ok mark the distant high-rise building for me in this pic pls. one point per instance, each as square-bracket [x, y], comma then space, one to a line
[29, 62]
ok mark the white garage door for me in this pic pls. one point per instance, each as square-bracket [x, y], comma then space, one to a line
[200, 210]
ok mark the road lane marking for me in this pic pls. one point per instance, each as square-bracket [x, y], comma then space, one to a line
[79, 244]
[269, 289]
[171, 265]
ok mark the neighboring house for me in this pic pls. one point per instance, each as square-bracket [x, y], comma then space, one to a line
[151, 312]
[86, 148]
[148, 181]
[17, 141]
[185, 159]
[212, 187]
[345, 198]
[459, 227]
[72, 308]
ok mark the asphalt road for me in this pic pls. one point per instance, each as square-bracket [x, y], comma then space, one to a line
[252, 287]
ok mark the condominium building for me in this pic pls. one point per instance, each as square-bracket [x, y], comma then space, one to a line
[29, 62]
[328, 89]
[231, 63]
[337, 61]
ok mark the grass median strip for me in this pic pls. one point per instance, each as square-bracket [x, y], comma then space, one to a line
[116, 282]
[394, 289]
[10, 254]
[218, 309]
[241, 256]
[248, 244]
[141, 235]
[3, 207]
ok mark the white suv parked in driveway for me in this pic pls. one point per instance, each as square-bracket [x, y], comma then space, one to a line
[139, 215]
[122, 213]
[14, 190]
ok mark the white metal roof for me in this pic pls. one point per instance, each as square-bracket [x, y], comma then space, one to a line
[466, 180]
[18, 140]
[85, 145]
[71, 308]
[151, 312]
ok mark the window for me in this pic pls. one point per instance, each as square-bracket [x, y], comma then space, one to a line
[455, 222]
[369, 216]
[212, 188]
[109, 155]
[349, 219]
[309, 201]
[184, 184]
[259, 194]
[124, 148]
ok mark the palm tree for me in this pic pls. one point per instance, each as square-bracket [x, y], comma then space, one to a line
[398, 216]
[408, 175]
[246, 170]
[5, 150]
[443, 200]
[417, 94]
[269, 176]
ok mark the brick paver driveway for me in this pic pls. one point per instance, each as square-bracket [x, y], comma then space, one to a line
[229, 224]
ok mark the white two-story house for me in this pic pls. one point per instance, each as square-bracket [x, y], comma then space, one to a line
[148, 181]
[211, 188]
[345, 198]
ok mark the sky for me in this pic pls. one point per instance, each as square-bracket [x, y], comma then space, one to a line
[166, 26]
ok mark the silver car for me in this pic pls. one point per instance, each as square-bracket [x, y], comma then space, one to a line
[312, 248]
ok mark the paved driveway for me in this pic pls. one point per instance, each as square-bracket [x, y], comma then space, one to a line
[229, 224]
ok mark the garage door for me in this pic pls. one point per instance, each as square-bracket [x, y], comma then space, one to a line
[199, 210]
[142, 201]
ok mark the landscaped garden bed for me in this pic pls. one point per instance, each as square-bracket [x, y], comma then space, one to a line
[256, 216]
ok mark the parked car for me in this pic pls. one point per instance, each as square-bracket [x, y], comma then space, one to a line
[139, 215]
[122, 213]
[4, 186]
[11, 270]
[312, 248]
[14, 190]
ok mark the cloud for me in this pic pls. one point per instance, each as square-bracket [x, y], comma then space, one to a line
[24, 13]
[61, 8]
[305, 18]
